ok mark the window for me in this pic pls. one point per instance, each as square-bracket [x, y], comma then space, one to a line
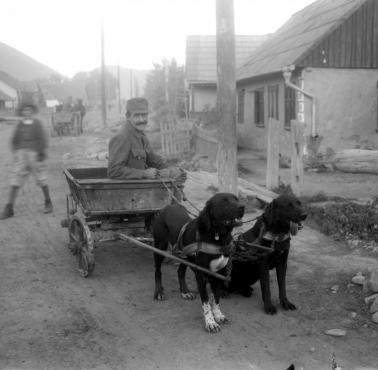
[259, 107]
[273, 101]
[290, 106]
[241, 97]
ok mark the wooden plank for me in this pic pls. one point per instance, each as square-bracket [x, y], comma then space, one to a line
[369, 33]
[348, 43]
[358, 55]
[297, 144]
[343, 45]
[363, 16]
[375, 36]
[273, 149]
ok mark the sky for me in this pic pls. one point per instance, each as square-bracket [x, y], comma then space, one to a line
[65, 35]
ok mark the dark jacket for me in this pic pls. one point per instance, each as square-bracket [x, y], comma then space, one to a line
[31, 137]
[130, 154]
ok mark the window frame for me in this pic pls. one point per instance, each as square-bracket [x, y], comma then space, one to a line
[259, 111]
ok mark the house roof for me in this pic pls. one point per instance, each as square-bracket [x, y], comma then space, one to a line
[29, 86]
[200, 65]
[4, 96]
[9, 80]
[301, 33]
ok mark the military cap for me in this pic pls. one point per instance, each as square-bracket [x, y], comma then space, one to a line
[137, 105]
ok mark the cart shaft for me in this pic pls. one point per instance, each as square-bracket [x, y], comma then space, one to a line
[171, 256]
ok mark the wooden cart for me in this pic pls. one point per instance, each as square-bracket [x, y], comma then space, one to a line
[99, 209]
[65, 123]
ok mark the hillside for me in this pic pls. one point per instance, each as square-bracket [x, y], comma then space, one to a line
[21, 66]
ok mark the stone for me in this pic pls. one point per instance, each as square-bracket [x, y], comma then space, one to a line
[374, 317]
[358, 279]
[352, 315]
[374, 306]
[334, 288]
[370, 299]
[336, 332]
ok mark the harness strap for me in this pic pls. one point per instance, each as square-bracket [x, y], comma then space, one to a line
[207, 248]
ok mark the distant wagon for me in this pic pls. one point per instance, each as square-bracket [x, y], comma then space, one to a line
[65, 122]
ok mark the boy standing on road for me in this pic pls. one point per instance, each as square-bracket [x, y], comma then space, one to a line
[29, 146]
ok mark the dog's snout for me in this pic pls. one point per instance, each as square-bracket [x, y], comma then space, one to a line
[303, 216]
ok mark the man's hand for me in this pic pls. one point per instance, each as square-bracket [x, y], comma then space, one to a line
[164, 173]
[173, 173]
[150, 173]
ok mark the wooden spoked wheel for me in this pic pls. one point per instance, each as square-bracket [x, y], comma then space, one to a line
[81, 245]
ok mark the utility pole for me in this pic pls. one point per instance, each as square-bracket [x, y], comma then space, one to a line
[226, 97]
[103, 83]
[131, 83]
[119, 89]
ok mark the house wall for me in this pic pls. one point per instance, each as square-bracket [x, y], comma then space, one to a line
[255, 137]
[202, 98]
[346, 111]
[346, 107]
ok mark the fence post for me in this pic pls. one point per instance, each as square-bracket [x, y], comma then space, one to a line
[297, 144]
[273, 148]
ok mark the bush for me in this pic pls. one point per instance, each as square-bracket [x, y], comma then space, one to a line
[348, 220]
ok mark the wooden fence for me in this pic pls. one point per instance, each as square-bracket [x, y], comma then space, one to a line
[175, 139]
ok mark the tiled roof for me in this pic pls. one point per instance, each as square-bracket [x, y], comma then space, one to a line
[200, 63]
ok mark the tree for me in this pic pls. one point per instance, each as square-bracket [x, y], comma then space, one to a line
[165, 88]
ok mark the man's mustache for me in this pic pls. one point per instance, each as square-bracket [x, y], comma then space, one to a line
[141, 123]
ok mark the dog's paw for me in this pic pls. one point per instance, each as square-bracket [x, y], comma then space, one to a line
[218, 315]
[287, 305]
[188, 296]
[159, 295]
[270, 310]
[211, 325]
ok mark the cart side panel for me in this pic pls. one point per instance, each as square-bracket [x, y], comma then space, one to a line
[130, 199]
[96, 193]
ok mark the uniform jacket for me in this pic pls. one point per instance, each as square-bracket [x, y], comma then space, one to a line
[130, 154]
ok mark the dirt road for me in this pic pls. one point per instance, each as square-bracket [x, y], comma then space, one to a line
[51, 318]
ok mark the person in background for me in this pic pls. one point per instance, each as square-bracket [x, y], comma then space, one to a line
[29, 145]
[130, 153]
[79, 108]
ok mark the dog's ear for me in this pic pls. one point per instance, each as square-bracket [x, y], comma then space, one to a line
[204, 217]
[270, 213]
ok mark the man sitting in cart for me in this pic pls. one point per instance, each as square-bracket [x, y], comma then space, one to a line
[130, 153]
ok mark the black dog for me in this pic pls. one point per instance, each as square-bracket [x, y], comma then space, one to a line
[204, 241]
[281, 218]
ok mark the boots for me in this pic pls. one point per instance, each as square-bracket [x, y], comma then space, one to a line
[48, 205]
[8, 212]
